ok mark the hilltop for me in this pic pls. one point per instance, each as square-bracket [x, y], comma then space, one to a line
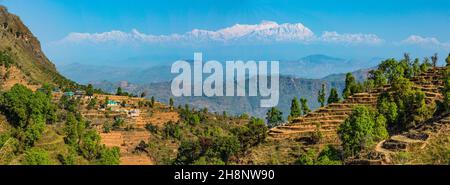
[30, 67]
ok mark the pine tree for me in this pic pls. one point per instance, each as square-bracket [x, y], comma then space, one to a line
[274, 117]
[447, 60]
[89, 90]
[171, 102]
[152, 101]
[304, 104]
[321, 96]
[434, 59]
[119, 91]
[334, 97]
[295, 108]
[350, 84]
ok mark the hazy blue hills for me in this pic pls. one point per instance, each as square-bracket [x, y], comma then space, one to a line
[301, 78]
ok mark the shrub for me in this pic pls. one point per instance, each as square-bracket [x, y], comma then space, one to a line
[37, 156]
[109, 156]
[361, 130]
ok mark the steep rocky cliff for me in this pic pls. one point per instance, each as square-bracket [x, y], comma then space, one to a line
[30, 65]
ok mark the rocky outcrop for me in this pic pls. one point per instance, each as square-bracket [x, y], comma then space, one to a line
[25, 50]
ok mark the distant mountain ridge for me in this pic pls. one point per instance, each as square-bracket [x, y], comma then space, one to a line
[310, 67]
[289, 87]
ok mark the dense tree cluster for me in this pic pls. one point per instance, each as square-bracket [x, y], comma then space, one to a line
[328, 156]
[27, 112]
[361, 130]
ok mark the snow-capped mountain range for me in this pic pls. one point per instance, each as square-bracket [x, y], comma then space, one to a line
[267, 31]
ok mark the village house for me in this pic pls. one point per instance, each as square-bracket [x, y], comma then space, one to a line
[134, 113]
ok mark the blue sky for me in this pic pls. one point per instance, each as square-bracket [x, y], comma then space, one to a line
[419, 27]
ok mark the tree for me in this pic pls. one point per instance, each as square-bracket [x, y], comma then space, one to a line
[388, 108]
[425, 65]
[274, 117]
[37, 156]
[119, 91]
[92, 103]
[434, 59]
[73, 129]
[253, 133]
[416, 67]
[361, 130]
[188, 152]
[304, 104]
[143, 94]
[307, 158]
[321, 96]
[89, 90]
[27, 112]
[90, 145]
[446, 89]
[226, 146]
[152, 101]
[447, 60]
[295, 108]
[172, 130]
[334, 97]
[6, 59]
[171, 102]
[329, 156]
[350, 84]
[109, 156]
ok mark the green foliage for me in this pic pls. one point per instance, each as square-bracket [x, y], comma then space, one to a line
[109, 156]
[334, 97]
[295, 108]
[410, 104]
[274, 117]
[68, 159]
[307, 158]
[226, 146]
[252, 133]
[151, 128]
[329, 156]
[425, 65]
[172, 130]
[434, 59]
[74, 129]
[27, 112]
[350, 86]
[118, 122]
[387, 107]
[447, 60]
[152, 102]
[3, 138]
[171, 102]
[361, 130]
[143, 94]
[92, 103]
[188, 152]
[208, 161]
[119, 91]
[90, 146]
[304, 104]
[6, 59]
[36, 156]
[321, 96]
[317, 135]
[89, 90]
[446, 89]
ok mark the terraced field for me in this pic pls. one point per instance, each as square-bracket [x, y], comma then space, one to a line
[328, 118]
